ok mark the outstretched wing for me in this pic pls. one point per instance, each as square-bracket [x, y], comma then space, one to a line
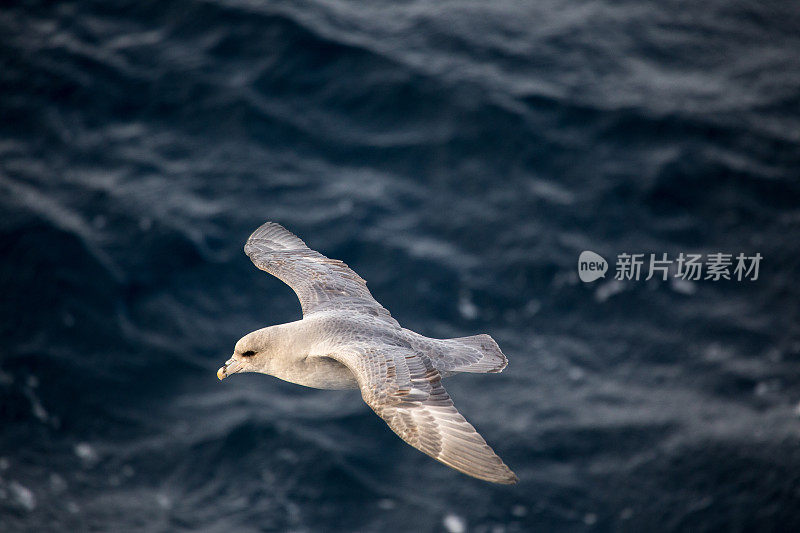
[405, 389]
[321, 284]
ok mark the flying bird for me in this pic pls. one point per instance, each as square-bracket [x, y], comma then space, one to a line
[347, 340]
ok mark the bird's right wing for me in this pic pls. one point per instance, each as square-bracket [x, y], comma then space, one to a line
[405, 389]
[321, 283]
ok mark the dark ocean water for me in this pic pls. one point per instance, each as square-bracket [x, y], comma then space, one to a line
[459, 156]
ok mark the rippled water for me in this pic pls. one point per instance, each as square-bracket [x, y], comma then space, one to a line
[459, 156]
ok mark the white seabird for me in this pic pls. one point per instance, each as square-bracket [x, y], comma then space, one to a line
[347, 340]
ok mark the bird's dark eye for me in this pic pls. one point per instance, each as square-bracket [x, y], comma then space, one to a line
[248, 353]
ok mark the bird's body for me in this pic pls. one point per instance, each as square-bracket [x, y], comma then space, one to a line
[347, 340]
[292, 359]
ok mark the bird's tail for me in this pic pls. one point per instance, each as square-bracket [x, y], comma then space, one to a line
[476, 353]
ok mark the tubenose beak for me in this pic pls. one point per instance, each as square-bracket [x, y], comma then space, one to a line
[230, 367]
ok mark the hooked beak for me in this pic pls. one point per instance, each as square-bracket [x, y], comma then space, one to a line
[230, 367]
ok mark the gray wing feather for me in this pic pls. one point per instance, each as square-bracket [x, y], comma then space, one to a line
[321, 284]
[405, 389]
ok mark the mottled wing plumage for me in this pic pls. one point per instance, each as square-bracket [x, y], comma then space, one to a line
[405, 389]
[321, 284]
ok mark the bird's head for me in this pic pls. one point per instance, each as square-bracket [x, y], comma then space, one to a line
[251, 354]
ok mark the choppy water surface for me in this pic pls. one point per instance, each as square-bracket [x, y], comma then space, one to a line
[459, 156]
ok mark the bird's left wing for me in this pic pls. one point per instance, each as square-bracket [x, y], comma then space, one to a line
[321, 284]
[405, 389]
